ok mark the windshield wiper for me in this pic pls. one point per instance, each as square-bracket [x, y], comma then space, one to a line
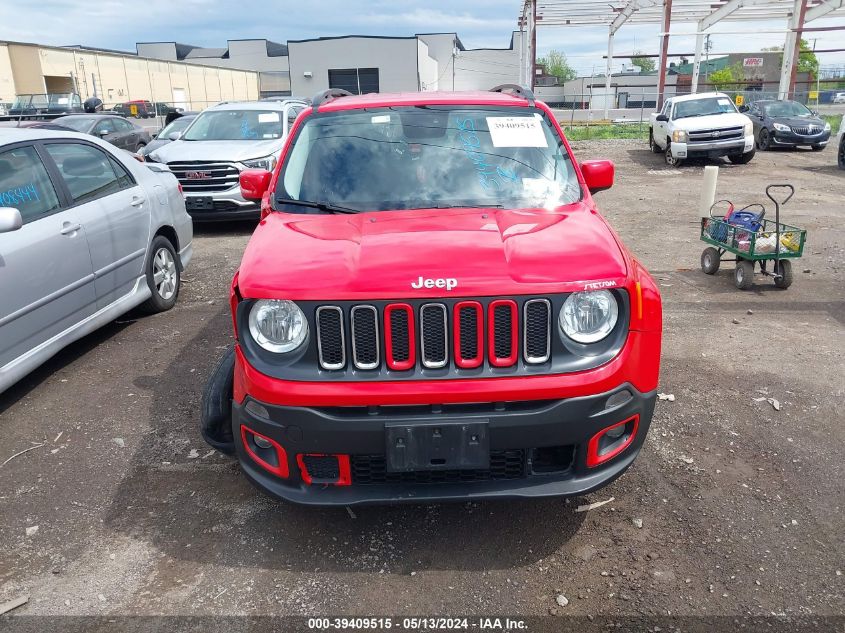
[466, 206]
[689, 116]
[322, 206]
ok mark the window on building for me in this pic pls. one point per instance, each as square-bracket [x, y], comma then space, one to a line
[355, 80]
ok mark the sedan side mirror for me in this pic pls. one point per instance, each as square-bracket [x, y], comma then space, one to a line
[254, 183]
[10, 219]
[102, 133]
[662, 117]
[598, 174]
[743, 108]
[175, 136]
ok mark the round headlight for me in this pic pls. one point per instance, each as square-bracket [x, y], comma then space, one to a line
[277, 325]
[588, 317]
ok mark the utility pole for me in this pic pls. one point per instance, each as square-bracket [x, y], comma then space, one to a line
[707, 46]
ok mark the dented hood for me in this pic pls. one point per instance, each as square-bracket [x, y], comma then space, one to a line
[430, 253]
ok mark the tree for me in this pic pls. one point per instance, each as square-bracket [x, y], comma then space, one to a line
[645, 64]
[807, 60]
[557, 66]
[728, 78]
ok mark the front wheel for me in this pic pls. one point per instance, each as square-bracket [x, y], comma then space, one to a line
[651, 144]
[783, 272]
[764, 140]
[741, 159]
[671, 160]
[163, 277]
[710, 261]
[744, 274]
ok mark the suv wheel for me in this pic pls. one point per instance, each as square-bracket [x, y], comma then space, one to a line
[670, 159]
[741, 159]
[163, 277]
[654, 147]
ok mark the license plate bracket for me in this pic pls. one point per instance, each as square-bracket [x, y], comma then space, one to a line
[199, 203]
[446, 445]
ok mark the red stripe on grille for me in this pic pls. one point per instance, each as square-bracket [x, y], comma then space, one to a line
[389, 346]
[491, 333]
[475, 361]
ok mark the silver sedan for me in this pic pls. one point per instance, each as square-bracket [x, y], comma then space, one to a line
[86, 234]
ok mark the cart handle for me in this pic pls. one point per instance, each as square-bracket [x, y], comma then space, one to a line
[781, 186]
[730, 208]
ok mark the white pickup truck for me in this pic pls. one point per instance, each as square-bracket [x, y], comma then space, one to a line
[701, 125]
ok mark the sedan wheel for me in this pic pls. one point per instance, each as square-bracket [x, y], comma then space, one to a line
[764, 139]
[164, 274]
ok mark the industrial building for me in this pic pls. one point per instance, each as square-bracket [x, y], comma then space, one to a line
[116, 76]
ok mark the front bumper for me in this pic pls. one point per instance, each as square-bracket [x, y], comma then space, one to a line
[791, 139]
[227, 205]
[515, 428]
[713, 149]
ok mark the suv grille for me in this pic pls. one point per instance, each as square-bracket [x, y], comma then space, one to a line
[719, 134]
[204, 176]
[372, 469]
[459, 337]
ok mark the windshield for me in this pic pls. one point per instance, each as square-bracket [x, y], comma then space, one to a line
[177, 125]
[80, 124]
[427, 157]
[786, 108]
[703, 107]
[235, 125]
[62, 100]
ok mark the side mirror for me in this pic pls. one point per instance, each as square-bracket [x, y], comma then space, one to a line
[743, 108]
[102, 133]
[175, 136]
[10, 219]
[598, 174]
[254, 183]
[662, 117]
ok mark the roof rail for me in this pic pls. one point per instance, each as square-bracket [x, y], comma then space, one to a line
[519, 91]
[327, 95]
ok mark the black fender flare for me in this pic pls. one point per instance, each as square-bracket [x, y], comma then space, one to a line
[216, 408]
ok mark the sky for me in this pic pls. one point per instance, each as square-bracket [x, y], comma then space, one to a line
[479, 23]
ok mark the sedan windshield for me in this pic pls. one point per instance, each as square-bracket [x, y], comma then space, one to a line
[427, 157]
[786, 108]
[703, 107]
[235, 125]
[80, 124]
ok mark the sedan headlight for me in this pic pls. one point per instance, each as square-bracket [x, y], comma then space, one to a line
[588, 317]
[780, 127]
[277, 325]
[268, 163]
[827, 127]
[680, 136]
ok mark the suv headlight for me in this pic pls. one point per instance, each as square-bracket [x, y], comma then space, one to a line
[277, 325]
[268, 163]
[780, 127]
[588, 317]
[680, 136]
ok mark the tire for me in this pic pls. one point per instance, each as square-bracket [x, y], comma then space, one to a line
[163, 276]
[216, 407]
[710, 260]
[744, 274]
[671, 160]
[764, 140]
[817, 148]
[841, 153]
[783, 267]
[741, 159]
[651, 144]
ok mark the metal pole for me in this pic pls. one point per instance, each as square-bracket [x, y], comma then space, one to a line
[533, 44]
[796, 55]
[696, 65]
[664, 50]
[607, 76]
[642, 108]
[790, 49]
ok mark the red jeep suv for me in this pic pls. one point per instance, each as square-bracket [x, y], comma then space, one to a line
[433, 309]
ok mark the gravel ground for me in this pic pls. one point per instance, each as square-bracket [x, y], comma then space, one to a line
[733, 508]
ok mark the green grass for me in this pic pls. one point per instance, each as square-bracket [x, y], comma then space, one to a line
[599, 131]
[835, 120]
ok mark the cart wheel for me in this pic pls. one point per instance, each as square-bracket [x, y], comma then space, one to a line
[744, 274]
[783, 268]
[710, 260]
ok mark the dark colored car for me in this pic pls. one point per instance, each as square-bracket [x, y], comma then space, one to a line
[112, 129]
[139, 109]
[45, 106]
[787, 124]
[169, 133]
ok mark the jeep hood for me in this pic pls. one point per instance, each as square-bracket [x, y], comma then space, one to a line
[379, 255]
[210, 151]
[710, 122]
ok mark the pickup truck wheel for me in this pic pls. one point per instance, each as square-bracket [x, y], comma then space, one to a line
[783, 268]
[163, 277]
[670, 159]
[764, 140]
[744, 274]
[710, 261]
[741, 159]
[651, 144]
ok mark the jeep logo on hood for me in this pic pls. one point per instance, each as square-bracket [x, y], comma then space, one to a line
[447, 283]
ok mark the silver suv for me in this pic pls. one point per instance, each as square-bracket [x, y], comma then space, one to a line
[220, 143]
